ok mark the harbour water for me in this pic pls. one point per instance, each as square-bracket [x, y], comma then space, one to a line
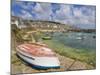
[77, 40]
[77, 45]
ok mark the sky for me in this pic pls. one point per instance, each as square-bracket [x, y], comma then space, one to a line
[82, 16]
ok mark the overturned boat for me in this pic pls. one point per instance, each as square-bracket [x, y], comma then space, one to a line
[39, 56]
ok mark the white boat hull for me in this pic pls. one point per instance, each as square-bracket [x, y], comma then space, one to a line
[39, 62]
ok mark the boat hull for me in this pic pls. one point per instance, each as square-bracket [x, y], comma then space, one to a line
[39, 62]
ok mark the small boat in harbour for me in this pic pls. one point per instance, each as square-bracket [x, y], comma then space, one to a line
[39, 56]
[79, 38]
[47, 38]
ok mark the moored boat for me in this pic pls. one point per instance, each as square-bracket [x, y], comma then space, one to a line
[47, 38]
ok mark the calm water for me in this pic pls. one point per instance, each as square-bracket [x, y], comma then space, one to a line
[76, 45]
[76, 40]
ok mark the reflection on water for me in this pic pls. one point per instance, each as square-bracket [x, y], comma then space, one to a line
[76, 40]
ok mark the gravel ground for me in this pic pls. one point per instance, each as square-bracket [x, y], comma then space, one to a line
[67, 64]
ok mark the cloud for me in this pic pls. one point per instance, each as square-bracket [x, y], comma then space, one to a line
[84, 15]
[64, 14]
[26, 14]
[43, 11]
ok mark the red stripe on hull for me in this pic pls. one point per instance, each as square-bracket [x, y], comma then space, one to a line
[36, 50]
